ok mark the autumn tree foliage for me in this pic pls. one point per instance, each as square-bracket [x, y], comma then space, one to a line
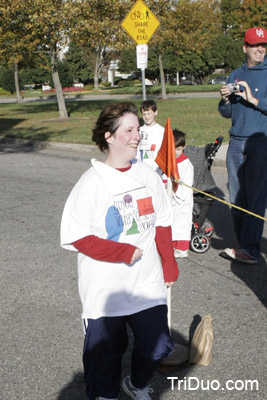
[164, 11]
[31, 27]
[16, 43]
[50, 23]
[98, 29]
[239, 15]
[252, 13]
[188, 30]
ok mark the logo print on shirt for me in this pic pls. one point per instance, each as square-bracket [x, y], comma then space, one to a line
[130, 216]
[145, 206]
[113, 223]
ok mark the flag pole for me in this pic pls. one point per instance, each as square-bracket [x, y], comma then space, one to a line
[169, 290]
[166, 160]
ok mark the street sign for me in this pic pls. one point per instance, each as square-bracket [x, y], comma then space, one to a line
[140, 23]
[141, 55]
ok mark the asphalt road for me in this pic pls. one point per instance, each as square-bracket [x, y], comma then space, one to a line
[41, 336]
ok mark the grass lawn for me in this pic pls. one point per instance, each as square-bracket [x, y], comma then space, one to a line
[198, 117]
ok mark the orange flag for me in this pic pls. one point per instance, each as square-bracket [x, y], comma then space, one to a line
[166, 157]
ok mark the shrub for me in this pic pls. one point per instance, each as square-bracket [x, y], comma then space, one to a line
[124, 83]
[3, 91]
[64, 73]
[136, 82]
[88, 88]
[106, 84]
[7, 80]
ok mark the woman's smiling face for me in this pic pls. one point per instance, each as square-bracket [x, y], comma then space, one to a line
[125, 140]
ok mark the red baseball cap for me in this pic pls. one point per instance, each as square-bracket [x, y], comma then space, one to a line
[255, 36]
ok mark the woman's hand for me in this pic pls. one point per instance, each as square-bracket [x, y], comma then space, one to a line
[136, 255]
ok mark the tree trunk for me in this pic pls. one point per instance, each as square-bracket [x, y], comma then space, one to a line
[16, 74]
[96, 70]
[60, 98]
[100, 55]
[162, 79]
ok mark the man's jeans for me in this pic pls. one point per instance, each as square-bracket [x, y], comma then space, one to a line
[247, 177]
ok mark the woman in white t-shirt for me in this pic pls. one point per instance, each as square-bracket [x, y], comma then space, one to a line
[118, 218]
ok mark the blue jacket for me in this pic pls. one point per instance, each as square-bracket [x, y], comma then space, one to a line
[246, 118]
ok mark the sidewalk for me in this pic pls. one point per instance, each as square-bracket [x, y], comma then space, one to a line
[106, 96]
[220, 158]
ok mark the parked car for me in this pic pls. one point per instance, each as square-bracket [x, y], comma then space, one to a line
[187, 81]
[218, 80]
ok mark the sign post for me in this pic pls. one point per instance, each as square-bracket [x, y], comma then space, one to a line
[140, 24]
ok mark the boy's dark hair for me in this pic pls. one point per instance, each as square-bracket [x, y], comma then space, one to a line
[147, 104]
[109, 121]
[179, 138]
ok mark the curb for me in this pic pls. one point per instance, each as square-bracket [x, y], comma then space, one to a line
[45, 145]
[219, 160]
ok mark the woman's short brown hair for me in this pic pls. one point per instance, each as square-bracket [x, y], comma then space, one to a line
[108, 121]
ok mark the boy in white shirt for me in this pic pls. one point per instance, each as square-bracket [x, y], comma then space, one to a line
[182, 199]
[151, 135]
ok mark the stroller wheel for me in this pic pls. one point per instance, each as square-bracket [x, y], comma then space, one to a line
[207, 228]
[200, 243]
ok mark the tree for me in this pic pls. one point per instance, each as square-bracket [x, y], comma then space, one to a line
[164, 11]
[30, 27]
[78, 64]
[16, 43]
[188, 28]
[195, 25]
[50, 22]
[210, 58]
[98, 29]
[7, 80]
[64, 73]
[251, 13]
[240, 15]
[34, 76]
[234, 55]
[230, 18]
[127, 61]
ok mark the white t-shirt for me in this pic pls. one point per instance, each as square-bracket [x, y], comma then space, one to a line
[125, 207]
[151, 139]
[182, 202]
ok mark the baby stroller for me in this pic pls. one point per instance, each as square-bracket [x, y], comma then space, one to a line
[202, 159]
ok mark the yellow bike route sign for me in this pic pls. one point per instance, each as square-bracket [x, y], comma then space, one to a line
[140, 23]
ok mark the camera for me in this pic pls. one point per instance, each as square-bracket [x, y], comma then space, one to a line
[234, 87]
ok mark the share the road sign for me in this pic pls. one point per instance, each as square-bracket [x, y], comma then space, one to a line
[140, 23]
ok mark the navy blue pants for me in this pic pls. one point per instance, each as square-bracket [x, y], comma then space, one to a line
[106, 340]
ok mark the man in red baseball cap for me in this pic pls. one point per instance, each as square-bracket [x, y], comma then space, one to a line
[244, 100]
